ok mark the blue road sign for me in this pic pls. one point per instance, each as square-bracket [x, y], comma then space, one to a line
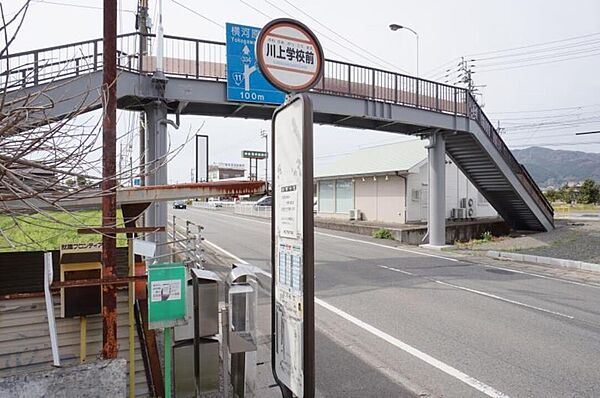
[245, 81]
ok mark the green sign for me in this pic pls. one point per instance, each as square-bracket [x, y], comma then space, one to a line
[166, 295]
[254, 154]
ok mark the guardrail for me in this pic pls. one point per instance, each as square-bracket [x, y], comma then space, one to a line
[204, 59]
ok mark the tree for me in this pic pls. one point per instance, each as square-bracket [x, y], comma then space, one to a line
[589, 192]
[552, 195]
[567, 194]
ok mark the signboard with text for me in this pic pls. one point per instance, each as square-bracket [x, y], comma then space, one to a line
[166, 295]
[289, 55]
[254, 154]
[293, 247]
[245, 81]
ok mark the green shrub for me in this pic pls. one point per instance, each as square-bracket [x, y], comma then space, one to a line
[383, 233]
[487, 236]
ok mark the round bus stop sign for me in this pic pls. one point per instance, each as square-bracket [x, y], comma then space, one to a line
[289, 55]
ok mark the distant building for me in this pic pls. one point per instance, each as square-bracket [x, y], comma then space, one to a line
[389, 183]
[226, 171]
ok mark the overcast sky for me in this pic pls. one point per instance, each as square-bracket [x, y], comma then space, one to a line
[541, 94]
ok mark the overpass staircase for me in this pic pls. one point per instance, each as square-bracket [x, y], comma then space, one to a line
[473, 143]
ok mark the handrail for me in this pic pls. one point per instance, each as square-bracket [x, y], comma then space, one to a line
[360, 81]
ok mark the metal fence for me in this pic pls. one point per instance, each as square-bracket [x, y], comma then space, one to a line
[250, 209]
[204, 59]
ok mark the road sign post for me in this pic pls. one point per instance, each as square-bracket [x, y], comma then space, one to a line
[282, 50]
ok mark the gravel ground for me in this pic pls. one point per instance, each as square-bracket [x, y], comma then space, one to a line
[570, 240]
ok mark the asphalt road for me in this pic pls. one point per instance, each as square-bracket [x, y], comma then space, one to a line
[400, 321]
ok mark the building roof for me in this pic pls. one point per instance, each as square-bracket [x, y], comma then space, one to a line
[387, 158]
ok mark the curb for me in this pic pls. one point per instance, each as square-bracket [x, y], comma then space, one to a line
[556, 262]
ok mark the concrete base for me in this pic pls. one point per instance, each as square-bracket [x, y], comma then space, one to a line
[97, 379]
[551, 261]
[435, 247]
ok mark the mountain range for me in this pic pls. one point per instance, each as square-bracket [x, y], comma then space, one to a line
[550, 167]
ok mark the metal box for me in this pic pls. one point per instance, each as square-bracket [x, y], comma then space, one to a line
[242, 318]
[208, 309]
[208, 354]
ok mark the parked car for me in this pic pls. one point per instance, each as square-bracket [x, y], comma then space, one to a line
[180, 204]
[265, 201]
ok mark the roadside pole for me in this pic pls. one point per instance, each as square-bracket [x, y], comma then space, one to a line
[292, 222]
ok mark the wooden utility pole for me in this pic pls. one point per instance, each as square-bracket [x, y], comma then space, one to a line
[109, 194]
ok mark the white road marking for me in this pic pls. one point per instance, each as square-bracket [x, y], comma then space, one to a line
[396, 270]
[432, 255]
[386, 246]
[465, 378]
[353, 240]
[542, 276]
[236, 258]
[449, 370]
[504, 299]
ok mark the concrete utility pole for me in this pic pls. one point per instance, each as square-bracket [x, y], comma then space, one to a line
[109, 194]
[142, 28]
[156, 142]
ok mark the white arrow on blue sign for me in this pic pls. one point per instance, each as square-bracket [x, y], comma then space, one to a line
[245, 82]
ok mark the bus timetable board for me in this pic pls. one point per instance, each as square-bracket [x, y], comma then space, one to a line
[293, 247]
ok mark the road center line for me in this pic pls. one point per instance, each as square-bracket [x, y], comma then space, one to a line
[503, 299]
[433, 255]
[449, 370]
[353, 240]
[396, 270]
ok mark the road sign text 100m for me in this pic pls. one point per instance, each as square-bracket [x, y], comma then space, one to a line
[248, 95]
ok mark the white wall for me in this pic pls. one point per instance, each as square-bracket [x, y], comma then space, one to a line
[457, 186]
[380, 199]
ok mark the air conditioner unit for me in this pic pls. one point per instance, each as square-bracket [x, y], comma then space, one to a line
[463, 203]
[355, 214]
[457, 213]
[470, 211]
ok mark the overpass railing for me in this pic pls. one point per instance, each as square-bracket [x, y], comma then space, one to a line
[203, 59]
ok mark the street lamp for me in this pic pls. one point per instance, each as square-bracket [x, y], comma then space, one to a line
[396, 27]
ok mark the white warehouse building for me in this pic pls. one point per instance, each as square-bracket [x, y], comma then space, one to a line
[389, 183]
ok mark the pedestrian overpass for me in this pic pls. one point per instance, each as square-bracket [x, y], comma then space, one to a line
[61, 79]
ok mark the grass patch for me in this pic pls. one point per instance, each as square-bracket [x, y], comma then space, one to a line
[383, 233]
[49, 230]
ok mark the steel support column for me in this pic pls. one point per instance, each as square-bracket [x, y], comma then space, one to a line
[156, 171]
[436, 153]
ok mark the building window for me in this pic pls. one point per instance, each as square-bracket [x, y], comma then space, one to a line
[415, 195]
[326, 197]
[344, 197]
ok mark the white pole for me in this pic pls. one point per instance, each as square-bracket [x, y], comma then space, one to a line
[48, 276]
[159, 40]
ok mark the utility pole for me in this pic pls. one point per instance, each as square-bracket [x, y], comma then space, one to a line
[142, 23]
[265, 135]
[109, 194]
[465, 76]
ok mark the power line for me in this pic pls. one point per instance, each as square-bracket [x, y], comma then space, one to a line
[75, 5]
[545, 110]
[200, 15]
[534, 45]
[270, 17]
[540, 63]
[341, 37]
